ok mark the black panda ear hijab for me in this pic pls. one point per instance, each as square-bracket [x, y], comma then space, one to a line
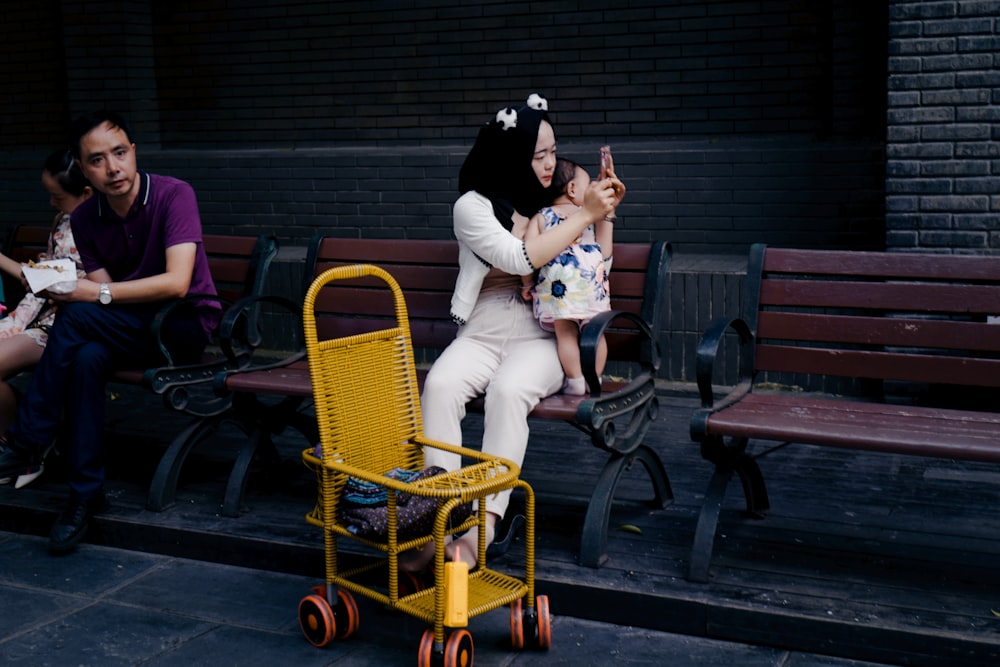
[506, 118]
[499, 164]
[538, 102]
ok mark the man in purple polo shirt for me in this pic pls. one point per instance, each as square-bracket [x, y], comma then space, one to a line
[140, 242]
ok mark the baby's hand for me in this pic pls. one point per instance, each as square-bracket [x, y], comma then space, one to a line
[526, 292]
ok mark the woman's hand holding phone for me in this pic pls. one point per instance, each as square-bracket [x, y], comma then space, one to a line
[607, 164]
[607, 170]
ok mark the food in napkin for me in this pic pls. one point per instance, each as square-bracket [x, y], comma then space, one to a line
[55, 275]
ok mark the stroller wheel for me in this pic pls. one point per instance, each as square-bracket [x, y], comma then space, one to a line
[458, 650]
[316, 620]
[544, 622]
[516, 625]
[346, 619]
[425, 654]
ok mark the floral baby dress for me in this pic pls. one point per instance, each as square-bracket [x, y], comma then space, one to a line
[574, 285]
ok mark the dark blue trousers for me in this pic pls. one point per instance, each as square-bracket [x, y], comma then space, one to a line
[86, 344]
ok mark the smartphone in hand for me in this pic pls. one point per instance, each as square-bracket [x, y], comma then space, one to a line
[607, 163]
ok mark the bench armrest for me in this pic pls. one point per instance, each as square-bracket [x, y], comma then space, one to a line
[178, 383]
[590, 337]
[168, 310]
[237, 338]
[229, 338]
[708, 349]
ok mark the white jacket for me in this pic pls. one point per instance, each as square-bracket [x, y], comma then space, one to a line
[483, 243]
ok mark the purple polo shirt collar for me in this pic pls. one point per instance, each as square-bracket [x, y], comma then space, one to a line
[104, 209]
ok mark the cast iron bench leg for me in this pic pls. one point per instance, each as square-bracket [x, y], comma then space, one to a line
[163, 488]
[255, 442]
[259, 444]
[754, 490]
[755, 493]
[593, 541]
[708, 520]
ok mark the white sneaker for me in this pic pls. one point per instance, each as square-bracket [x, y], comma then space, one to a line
[33, 472]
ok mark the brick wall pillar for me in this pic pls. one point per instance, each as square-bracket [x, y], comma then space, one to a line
[943, 136]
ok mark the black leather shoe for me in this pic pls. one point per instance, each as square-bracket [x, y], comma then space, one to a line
[72, 524]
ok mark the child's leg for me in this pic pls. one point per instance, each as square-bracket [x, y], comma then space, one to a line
[568, 343]
[602, 355]
[17, 352]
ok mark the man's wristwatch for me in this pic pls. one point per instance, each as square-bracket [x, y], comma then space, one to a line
[104, 298]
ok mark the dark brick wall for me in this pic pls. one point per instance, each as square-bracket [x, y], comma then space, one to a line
[943, 136]
[416, 72]
[732, 122]
[33, 101]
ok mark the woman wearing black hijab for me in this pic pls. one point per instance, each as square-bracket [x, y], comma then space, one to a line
[500, 350]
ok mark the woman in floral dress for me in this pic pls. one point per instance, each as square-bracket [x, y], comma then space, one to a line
[23, 332]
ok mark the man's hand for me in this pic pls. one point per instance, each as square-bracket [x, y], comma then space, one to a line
[86, 290]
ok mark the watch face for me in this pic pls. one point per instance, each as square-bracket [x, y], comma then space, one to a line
[105, 296]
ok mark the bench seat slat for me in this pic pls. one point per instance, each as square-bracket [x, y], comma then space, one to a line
[889, 428]
[290, 380]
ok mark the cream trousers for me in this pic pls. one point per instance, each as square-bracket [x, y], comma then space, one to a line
[503, 353]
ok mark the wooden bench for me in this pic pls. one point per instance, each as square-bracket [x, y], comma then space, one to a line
[616, 416]
[239, 266]
[895, 352]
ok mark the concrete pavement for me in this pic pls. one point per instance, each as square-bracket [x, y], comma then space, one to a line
[102, 606]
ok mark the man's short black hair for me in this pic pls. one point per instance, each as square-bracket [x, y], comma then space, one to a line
[87, 122]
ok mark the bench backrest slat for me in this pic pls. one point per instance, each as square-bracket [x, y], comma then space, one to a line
[885, 265]
[915, 296]
[893, 316]
[955, 370]
[895, 331]
[425, 270]
[239, 264]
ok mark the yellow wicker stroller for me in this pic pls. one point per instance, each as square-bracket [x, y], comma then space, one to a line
[368, 412]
